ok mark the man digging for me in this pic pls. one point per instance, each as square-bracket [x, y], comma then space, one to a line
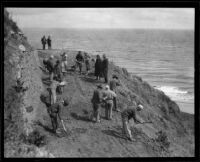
[54, 112]
[128, 114]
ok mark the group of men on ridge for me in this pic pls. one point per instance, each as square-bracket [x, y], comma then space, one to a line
[45, 41]
[102, 96]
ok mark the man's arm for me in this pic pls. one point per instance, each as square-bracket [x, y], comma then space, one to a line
[136, 120]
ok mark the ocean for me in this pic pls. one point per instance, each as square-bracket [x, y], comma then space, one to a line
[163, 58]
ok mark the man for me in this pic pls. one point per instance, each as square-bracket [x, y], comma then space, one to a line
[108, 96]
[128, 114]
[49, 42]
[51, 64]
[54, 111]
[64, 63]
[44, 41]
[87, 62]
[96, 101]
[105, 68]
[52, 91]
[58, 71]
[113, 84]
[79, 61]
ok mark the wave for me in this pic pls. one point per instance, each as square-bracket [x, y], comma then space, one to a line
[176, 93]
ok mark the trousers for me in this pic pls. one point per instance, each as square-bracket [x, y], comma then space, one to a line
[96, 111]
[125, 128]
[53, 95]
[108, 109]
[54, 122]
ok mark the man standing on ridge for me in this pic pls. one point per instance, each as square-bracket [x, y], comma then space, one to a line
[113, 85]
[105, 68]
[44, 41]
[49, 42]
[128, 114]
[108, 96]
[96, 101]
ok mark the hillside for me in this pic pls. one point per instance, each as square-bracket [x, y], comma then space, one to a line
[24, 112]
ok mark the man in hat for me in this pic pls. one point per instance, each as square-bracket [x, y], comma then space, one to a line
[113, 85]
[87, 62]
[105, 68]
[64, 63]
[79, 61]
[128, 114]
[54, 111]
[58, 71]
[108, 96]
[96, 101]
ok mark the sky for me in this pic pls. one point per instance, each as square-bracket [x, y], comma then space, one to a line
[153, 18]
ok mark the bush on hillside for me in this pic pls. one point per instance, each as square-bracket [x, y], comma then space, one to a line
[9, 24]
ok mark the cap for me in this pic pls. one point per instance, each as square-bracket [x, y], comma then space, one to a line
[107, 87]
[99, 86]
[140, 106]
[115, 76]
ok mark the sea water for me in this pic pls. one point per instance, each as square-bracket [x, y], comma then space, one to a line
[163, 58]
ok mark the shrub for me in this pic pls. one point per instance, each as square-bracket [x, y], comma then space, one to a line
[35, 138]
[163, 140]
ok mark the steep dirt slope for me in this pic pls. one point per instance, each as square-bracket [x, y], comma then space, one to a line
[87, 139]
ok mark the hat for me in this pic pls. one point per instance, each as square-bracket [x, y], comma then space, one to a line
[107, 87]
[140, 106]
[115, 76]
[99, 86]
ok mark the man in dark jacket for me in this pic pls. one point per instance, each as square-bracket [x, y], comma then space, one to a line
[128, 114]
[54, 111]
[49, 42]
[79, 60]
[98, 69]
[113, 85]
[44, 41]
[96, 101]
[105, 68]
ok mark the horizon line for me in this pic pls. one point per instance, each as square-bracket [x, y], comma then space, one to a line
[109, 28]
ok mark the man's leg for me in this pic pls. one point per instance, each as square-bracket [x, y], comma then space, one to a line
[54, 95]
[128, 131]
[53, 121]
[98, 111]
[110, 110]
[115, 103]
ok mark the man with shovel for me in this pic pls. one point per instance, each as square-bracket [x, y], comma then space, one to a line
[54, 111]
